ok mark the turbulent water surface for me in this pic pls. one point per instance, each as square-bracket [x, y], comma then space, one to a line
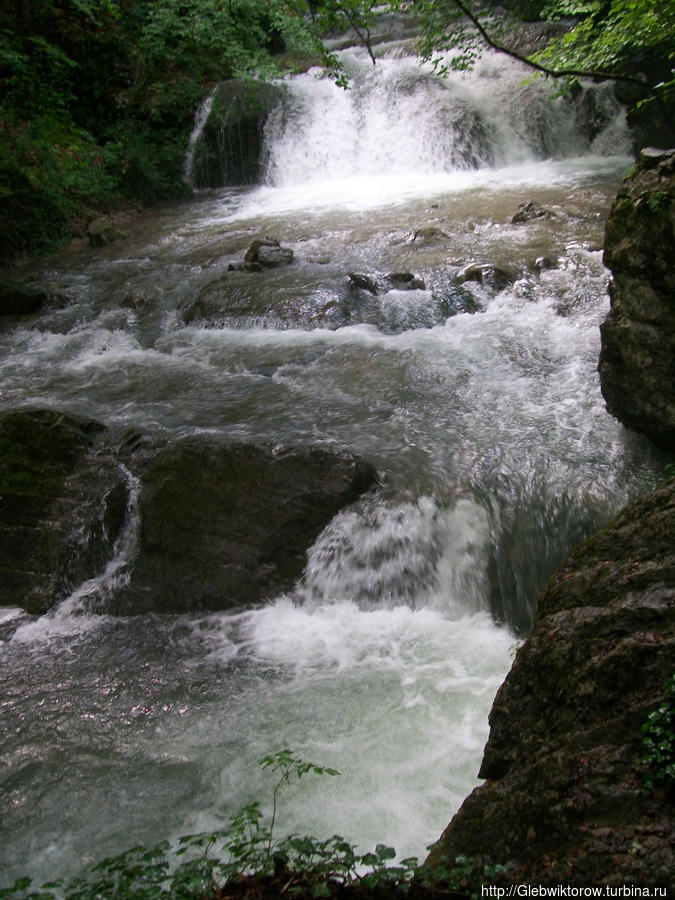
[479, 405]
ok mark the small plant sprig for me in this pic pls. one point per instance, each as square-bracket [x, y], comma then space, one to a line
[208, 865]
[658, 740]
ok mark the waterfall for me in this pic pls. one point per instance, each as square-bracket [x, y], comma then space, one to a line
[475, 397]
[400, 117]
[201, 117]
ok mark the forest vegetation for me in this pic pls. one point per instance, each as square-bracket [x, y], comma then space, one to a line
[97, 97]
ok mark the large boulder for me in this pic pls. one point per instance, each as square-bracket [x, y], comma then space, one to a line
[637, 360]
[226, 525]
[229, 149]
[62, 505]
[566, 799]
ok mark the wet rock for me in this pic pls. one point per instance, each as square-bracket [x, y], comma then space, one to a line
[592, 111]
[526, 212]
[266, 253]
[459, 300]
[564, 799]
[405, 281]
[103, 231]
[360, 282]
[16, 300]
[544, 263]
[495, 277]
[636, 364]
[230, 148]
[62, 505]
[139, 298]
[226, 525]
[429, 235]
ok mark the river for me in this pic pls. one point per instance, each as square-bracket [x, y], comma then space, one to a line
[478, 403]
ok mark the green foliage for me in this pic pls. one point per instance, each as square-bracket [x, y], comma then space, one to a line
[97, 98]
[605, 39]
[606, 36]
[658, 740]
[203, 865]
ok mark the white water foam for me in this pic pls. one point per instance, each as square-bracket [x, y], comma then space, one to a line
[396, 699]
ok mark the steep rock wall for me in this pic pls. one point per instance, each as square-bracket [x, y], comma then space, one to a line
[637, 360]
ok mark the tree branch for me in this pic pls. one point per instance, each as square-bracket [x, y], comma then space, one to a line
[642, 83]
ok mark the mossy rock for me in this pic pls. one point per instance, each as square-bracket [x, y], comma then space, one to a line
[229, 150]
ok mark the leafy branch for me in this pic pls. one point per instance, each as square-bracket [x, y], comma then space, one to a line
[594, 47]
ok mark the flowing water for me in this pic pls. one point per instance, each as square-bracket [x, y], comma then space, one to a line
[478, 403]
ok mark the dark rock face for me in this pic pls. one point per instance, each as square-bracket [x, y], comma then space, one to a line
[226, 525]
[230, 147]
[637, 360]
[16, 300]
[563, 800]
[62, 505]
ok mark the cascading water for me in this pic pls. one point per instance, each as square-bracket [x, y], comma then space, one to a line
[196, 133]
[399, 118]
[477, 401]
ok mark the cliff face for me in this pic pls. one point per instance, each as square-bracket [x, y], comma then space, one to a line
[564, 800]
[637, 360]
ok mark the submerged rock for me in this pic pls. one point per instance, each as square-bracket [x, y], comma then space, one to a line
[405, 281]
[429, 235]
[16, 300]
[62, 505]
[221, 524]
[380, 284]
[360, 282]
[637, 359]
[564, 800]
[225, 525]
[526, 212]
[495, 277]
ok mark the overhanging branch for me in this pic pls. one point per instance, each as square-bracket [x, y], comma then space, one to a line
[596, 74]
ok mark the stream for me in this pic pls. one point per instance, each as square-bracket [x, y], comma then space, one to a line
[478, 402]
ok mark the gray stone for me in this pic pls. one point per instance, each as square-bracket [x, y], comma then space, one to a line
[358, 281]
[267, 253]
[495, 277]
[405, 281]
